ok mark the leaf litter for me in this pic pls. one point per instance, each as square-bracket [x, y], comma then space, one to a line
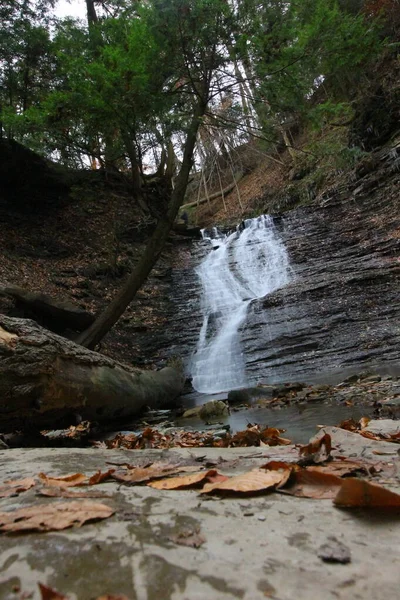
[314, 475]
[253, 435]
[13, 488]
[53, 517]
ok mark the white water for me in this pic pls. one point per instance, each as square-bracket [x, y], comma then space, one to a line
[240, 267]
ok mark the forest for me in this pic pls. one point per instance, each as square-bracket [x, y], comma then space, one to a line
[158, 89]
[199, 299]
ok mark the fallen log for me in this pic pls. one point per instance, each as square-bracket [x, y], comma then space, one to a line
[48, 382]
[57, 315]
[215, 195]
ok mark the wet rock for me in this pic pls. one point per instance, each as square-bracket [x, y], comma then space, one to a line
[213, 410]
[191, 412]
[384, 427]
[286, 388]
[249, 395]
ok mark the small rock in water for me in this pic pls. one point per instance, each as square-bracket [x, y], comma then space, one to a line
[334, 551]
[191, 412]
[213, 409]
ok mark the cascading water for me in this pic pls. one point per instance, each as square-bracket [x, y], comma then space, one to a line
[247, 264]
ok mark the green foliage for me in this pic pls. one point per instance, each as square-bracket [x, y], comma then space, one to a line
[121, 86]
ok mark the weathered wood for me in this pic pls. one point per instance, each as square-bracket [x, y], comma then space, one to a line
[55, 314]
[215, 195]
[47, 381]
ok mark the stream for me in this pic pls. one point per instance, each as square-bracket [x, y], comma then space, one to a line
[300, 420]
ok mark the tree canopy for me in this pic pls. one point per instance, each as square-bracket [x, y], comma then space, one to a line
[112, 91]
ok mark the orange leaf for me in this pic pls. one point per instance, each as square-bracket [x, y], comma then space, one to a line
[359, 493]
[53, 517]
[314, 450]
[312, 484]
[186, 481]
[48, 593]
[349, 425]
[155, 471]
[340, 467]
[364, 421]
[12, 488]
[255, 480]
[99, 477]
[64, 481]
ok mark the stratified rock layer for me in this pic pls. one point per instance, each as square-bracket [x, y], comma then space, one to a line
[341, 312]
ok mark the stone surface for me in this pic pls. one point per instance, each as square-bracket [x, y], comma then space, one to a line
[255, 547]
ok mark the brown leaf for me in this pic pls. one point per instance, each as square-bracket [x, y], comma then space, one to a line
[53, 517]
[12, 488]
[48, 593]
[318, 450]
[155, 471]
[312, 484]
[364, 422]
[65, 480]
[349, 425]
[284, 468]
[359, 493]
[255, 480]
[187, 481]
[271, 437]
[188, 537]
[99, 477]
[57, 492]
[341, 468]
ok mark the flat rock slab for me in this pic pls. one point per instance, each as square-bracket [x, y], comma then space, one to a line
[250, 547]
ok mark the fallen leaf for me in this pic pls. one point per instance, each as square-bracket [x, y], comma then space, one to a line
[349, 425]
[99, 477]
[334, 551]
[318, 450]
[12, 488]
[359, 493]
[364, 422]
[48, 593]
[188, 537]
[57, 492]
[271, 436]
[65, 480]
[341, 468]
[187, 481]
[284, 468]
[312, 484]
[255, 480]
[53, 517]
[155, 471]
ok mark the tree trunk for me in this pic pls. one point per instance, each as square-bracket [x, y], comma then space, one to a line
[47, 382]
[155, 245]
[56, 315]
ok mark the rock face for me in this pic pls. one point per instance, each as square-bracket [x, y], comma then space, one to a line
[341, 311]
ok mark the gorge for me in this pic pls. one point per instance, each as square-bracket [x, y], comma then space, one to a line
[338, 313]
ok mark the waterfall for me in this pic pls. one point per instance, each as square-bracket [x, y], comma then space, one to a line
[246, 264]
